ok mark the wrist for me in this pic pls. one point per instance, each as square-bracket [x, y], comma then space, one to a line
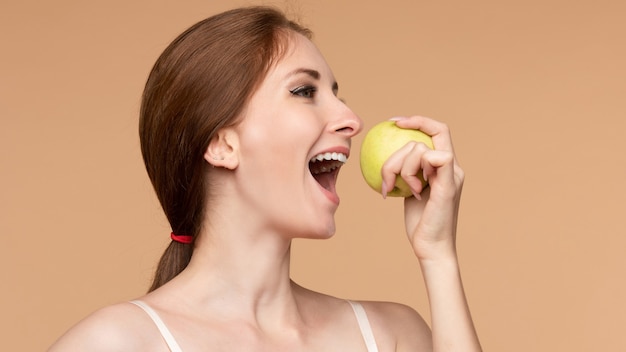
[438, 252]
[449, 261]
[439, 263]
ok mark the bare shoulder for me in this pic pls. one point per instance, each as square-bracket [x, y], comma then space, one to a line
[119, 327]
[398, 325]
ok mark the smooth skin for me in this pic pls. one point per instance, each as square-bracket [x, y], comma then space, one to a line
[236, 294]
[431, 222]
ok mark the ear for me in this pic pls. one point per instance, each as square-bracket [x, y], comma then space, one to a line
[223, 149]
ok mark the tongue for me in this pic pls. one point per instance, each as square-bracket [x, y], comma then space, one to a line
[326, 180]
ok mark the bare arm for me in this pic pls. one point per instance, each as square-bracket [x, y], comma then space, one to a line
[431, 228]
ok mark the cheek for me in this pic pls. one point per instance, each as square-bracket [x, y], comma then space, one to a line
[275, 145]
[282, 134]
[268, 160]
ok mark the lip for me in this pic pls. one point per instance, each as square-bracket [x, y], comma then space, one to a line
[331, 195]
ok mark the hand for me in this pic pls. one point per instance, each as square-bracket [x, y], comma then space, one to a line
[431, 214]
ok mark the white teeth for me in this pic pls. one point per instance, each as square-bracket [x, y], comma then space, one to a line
[330, 156]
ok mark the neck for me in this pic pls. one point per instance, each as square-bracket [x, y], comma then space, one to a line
[241, 275]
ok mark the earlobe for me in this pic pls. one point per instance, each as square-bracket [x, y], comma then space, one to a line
[223, 149]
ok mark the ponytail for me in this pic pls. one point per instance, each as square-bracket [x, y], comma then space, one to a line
[174, 260]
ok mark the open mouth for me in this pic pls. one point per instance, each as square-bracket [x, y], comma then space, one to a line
[324, 168]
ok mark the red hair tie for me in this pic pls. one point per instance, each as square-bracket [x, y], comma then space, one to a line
[181, 238]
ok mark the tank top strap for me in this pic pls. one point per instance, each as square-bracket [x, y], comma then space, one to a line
[165, 332]
[359, 312]
[364, 325]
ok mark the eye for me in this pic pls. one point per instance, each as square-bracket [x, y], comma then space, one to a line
[304, 91]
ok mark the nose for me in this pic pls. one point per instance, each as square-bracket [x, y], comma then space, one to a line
[346, 123]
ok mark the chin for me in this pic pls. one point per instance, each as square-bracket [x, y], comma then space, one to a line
[317, 232]
[328, 232]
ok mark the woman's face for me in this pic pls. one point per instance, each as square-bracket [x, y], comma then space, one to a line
[292, 118]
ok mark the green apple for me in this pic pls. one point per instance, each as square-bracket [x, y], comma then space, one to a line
[379, 143]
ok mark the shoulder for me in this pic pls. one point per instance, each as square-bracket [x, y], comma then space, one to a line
[119, 327]
[399, 325]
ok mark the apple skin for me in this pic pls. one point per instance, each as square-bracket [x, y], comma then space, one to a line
[382, 140]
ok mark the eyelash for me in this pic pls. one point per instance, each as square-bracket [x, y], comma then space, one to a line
[304, 91]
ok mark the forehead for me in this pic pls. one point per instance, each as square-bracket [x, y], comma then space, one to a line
[300, 54]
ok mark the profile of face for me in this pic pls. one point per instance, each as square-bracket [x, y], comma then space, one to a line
[293, 117]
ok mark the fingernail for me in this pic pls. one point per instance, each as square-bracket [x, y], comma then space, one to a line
[416, 195]
[383, 190]
[425, 176]
[398, 118]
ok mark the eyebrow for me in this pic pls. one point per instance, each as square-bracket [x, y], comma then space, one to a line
[313, 74]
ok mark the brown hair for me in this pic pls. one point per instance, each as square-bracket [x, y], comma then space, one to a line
[199, 84]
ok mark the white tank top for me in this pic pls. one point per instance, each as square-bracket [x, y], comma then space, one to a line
[359, 312]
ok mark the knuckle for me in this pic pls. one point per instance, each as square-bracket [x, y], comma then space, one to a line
[421, 147]
[410, 145]
[406, 174]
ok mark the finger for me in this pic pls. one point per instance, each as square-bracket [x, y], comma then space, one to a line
[439, 168]
[439, 131]
[393, 166]
[412, 167]
[434, 159]
[407, 163]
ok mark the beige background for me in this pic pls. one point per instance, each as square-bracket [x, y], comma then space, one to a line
[534, 92]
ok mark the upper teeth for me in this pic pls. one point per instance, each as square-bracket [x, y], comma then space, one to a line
[330, 156]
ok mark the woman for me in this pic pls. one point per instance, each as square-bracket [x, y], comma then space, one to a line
[235, 115]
